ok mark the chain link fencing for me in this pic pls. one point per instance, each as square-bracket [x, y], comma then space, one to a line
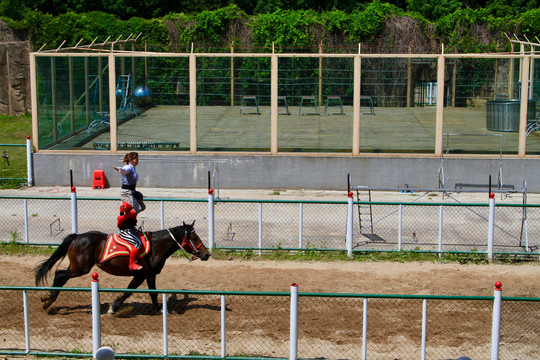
[13, 166]
[271, 224]
[253, 325]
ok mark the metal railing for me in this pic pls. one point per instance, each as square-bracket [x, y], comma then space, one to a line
[277, 325]
[269, 224]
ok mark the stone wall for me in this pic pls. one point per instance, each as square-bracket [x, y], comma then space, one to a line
[14, 72]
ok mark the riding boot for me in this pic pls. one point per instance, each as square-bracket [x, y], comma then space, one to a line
[132, 257]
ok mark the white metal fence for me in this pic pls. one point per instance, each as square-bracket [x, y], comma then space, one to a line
[487, 228]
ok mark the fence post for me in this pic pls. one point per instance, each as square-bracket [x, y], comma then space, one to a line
[210, 219]
[349, 236]
[400, 226]
[223, 311]
[491, 225]
[29, 175]
[165, 325]
[496, 325]
[293, 353]
[96, 320]
[74, 228]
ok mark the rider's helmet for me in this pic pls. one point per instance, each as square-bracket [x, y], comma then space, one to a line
[127, 218]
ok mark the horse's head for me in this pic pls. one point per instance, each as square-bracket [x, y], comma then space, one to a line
[193, 244]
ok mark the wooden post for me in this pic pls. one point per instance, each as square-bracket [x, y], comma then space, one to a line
[320, 72]
[273, 102]
[112, 104]
[53, 99]
[232, 74]
[356, 103]
[454, 82]
[87, 90]
[525, 62]
[192, 102]
[439, 112]
[34, 100]
[409, 79]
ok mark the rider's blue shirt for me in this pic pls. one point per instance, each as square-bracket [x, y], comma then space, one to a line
[129, 175]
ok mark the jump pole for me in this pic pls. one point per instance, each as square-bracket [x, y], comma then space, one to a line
[496, 325]
[491, 221]
[349, 235]
[210, 215]
[96, 320]
[293, 351]
[29, 180]
[74, 227]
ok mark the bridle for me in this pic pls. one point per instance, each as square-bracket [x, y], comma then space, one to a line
[188, 242]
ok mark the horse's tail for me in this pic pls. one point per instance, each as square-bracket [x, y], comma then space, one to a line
[43, 268]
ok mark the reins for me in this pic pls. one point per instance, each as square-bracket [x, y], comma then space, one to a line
[184, 252]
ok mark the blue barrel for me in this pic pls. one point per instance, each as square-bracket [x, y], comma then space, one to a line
[503, 115]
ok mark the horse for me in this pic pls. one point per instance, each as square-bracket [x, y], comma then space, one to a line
[85, 250]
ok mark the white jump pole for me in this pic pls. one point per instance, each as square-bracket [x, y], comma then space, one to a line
[96, 320]
[349, 236]
[496, 325]
[223, 311]
[293, 352]
[491, 225]
[74, 227]
[29, 172]
[165, 325]
[210, 219]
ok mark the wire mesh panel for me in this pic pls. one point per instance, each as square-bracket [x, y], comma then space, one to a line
[520, 329]
[394, 328]
[458, 328]
[12, 221]
[340, 338]
[13, 165]
[257, 327]
[12, 330]
[53, 330]
[49, 221]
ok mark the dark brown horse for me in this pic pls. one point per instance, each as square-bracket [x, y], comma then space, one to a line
[85, 250]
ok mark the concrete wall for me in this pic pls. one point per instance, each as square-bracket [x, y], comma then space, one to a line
[287, 171]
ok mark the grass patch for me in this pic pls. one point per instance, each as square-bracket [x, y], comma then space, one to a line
[15, 129]
[13, 170]
[16, 248]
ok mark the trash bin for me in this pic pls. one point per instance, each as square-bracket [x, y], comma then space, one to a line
[503, 115]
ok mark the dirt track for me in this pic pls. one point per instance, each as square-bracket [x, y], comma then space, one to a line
[266, 319]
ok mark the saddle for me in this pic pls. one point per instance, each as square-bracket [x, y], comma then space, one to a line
[116, 246]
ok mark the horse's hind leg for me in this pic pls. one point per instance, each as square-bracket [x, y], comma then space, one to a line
[135, 283]
[151, 281]
[60, 279]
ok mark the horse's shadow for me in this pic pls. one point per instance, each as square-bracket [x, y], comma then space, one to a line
[175, 305]
[182, 305]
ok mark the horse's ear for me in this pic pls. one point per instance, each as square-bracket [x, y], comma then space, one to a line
[193, 223]
[184, 223]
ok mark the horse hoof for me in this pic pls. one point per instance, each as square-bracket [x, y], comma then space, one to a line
[46, 304]
[111, 311]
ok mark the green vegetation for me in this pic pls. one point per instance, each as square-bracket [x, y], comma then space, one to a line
[309, 254]
[15, 129]
[13, 170]
[166, 26]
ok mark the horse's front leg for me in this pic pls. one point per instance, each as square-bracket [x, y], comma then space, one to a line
[151, 282]
[135, 283]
